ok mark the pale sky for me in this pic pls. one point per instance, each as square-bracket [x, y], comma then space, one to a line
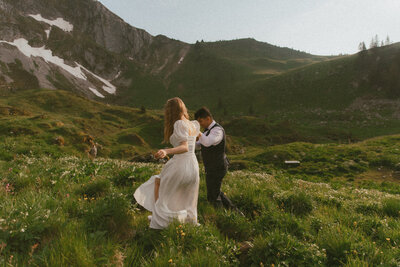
[322, 27]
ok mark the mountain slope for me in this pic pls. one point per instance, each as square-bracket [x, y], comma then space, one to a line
[83, 47]
[216, 73]
[95, 54]
[335, 84]
[76, 45]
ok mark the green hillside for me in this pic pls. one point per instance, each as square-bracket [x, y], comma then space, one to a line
[334, 84]
[31, 121]
[216, 74]
[260, 57]
[226, 77]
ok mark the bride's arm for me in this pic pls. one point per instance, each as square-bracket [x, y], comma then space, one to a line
[182, 148]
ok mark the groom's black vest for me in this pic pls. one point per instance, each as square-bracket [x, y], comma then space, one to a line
[214, 157]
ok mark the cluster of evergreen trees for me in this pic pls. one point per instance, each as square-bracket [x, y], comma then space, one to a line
[374, 43]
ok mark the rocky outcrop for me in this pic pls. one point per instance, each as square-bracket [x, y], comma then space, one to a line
[102, 43]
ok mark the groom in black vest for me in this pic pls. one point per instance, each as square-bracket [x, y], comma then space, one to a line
[213, 145]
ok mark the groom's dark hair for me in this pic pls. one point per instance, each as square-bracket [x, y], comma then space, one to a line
[202, 113]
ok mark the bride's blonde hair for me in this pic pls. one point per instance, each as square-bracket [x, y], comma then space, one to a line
[174, 110]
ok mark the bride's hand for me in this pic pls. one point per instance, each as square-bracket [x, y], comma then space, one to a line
[160, 154]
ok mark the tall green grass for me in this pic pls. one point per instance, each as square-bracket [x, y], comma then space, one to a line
[69, 211]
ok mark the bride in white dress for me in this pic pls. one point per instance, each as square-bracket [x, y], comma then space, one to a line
[174, 192]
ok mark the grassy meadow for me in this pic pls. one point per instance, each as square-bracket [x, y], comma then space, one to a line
[341, 207]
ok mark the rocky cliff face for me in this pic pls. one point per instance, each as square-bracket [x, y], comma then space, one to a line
[77, 45]
[88, 17]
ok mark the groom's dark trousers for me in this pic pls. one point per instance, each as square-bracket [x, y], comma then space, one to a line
[216, 167]
[214, 193]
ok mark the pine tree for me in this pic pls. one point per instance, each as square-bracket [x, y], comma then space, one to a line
[374, 42]
[387, 42]
[362, 47]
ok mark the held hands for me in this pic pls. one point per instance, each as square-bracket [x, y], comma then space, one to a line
[162, 153]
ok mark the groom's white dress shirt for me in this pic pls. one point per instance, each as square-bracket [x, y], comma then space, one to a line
[214, 138]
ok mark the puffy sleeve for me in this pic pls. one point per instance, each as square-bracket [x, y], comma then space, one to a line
[181, 131]
[197, 126]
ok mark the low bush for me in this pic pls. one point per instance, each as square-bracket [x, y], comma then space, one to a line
[297, 203]
[233, 225]
[110, 214]
[391, 207]
[281, 249]
[95, 188]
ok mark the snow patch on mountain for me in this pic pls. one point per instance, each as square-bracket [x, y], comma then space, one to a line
[47, 55]
[108, 87]
[117, 76]
[96, 92]
[47, 33]
[59, 22]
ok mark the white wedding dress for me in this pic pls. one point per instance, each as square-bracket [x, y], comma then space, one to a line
[179, 182]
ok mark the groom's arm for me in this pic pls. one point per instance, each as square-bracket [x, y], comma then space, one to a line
[214, 138]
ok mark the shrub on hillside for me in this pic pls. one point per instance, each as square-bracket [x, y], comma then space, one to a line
[388, 161]
[368, 209]
[233, 225]
[391, 207]
[285, 223]
[281, 249]
[337, 241]
[94, 188]
[297, 203]
[249, 202]
[110, 214]
[124, 177]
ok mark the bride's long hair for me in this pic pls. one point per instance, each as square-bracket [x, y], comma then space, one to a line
[174, 110]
